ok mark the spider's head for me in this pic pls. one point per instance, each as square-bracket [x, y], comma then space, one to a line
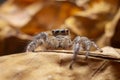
[63, 32]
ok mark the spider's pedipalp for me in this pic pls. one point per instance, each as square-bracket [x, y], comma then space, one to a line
[38, 40]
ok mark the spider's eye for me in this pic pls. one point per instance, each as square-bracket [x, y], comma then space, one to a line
[63, 31]
[52, 31]
[67, 31]
[56, 32]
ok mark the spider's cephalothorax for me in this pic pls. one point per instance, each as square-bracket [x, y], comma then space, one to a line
[60, 39]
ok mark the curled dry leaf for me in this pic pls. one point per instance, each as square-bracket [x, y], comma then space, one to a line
[17, 17]
[98, 22]
[110, 28]
[55, 66]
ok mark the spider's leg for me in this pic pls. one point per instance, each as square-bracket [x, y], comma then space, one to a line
[76, 48]
[38, 40]
[87, 48]
[93, 43]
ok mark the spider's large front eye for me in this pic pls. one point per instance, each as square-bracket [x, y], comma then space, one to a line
[57, 32]
[63, 31]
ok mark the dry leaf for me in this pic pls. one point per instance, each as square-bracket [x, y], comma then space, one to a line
[55, 66]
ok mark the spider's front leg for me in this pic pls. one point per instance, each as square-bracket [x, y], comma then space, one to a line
[37, 41]
[76, 48]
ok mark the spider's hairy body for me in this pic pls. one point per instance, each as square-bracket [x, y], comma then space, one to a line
[58, 42]
[60, 39]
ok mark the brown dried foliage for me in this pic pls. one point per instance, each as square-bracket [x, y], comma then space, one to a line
[97, 19]
[54, 65]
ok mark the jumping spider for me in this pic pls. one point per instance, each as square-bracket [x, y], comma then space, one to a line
[60, 38]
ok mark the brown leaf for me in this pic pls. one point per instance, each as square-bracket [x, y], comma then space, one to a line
[55, 66]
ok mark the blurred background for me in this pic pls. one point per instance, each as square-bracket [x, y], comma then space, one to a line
[21, 19]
